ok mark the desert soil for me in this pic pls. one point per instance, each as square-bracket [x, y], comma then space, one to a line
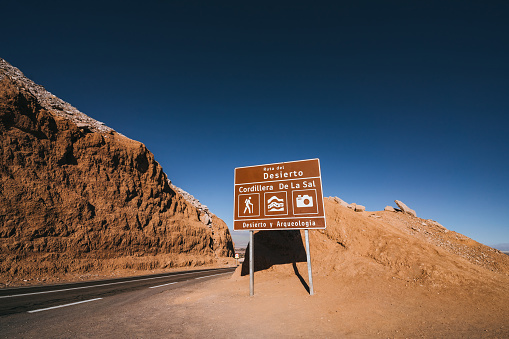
[280, 308]
[343, 307]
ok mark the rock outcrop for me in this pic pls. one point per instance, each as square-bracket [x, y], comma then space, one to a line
[353, 206]
[339, 201]
[51, 103]
[76, 196]
[360, 208]
[204, 213]
[405, 208]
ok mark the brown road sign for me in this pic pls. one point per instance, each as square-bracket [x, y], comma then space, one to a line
[281, 196]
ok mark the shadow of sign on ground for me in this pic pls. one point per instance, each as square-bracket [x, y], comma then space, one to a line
[276, 248]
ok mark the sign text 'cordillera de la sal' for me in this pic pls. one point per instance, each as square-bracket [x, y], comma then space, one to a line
[286, 195]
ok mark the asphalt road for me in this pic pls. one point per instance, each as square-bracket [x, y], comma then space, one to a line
[44, 298]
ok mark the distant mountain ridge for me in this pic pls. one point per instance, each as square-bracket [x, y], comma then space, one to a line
[77, 197]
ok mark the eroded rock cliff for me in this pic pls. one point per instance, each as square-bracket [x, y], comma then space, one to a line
[75, 196]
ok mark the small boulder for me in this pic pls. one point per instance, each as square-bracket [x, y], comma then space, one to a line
[359, 208]
[389, 209]
[204, 218]
[405, 208]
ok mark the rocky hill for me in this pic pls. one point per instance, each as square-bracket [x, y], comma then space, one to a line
[77, 197]
[393, 243]
[376, 274]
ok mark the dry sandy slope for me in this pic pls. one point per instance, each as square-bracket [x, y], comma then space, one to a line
[385, 276]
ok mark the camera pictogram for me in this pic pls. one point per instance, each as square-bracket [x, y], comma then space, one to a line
[304, 202]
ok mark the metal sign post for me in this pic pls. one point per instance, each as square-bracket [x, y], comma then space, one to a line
[251, 263]
[308, 255]
[280, 196]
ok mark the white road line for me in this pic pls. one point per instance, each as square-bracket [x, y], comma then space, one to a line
[176, 282]
[213, 275]
[164, 284]
[76, 303]
[79, 288]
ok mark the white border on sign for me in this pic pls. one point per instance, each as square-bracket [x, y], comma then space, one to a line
[275, 218]
[282, 162]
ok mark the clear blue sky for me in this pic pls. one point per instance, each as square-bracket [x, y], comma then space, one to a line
[404, 100]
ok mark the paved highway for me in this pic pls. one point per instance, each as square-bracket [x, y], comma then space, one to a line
[44, 298]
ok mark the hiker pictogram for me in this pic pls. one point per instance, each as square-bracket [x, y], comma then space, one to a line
[249, 205]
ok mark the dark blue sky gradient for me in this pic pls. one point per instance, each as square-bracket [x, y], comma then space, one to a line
[400, 100]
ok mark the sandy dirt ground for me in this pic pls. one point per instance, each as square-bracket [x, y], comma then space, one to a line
[343, 308]
[281, 308]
